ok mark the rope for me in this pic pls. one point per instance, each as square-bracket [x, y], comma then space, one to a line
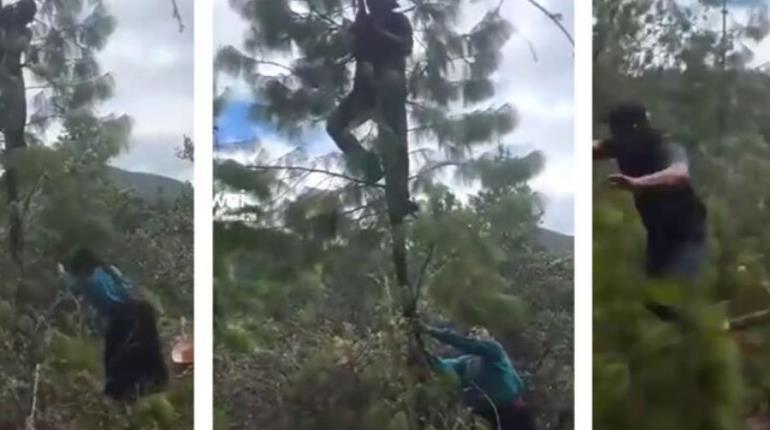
[491, 403]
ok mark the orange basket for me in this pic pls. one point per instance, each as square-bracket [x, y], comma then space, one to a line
[182, 353]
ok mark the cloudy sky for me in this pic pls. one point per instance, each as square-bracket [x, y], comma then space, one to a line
[152, 63]
[541, 89]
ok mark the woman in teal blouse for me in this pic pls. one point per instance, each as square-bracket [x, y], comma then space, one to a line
[133, 361]
[489, 383]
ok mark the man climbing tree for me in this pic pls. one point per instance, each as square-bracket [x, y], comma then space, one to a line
[15, 37]
[656, 172]
[490, 385]
[133, 362]
[382, 40]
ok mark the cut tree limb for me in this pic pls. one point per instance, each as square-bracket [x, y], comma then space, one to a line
[748, 321]
[412, 309]
[30, 422]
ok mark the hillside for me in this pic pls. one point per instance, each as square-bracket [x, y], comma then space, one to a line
[555, 242]
[148, 186]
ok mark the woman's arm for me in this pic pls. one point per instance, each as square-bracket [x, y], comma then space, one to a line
[484, 348]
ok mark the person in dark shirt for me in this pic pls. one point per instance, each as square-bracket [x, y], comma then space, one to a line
[489, 384]
[656, 172]
[382, 41]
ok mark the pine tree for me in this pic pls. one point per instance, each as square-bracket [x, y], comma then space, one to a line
[303, 274]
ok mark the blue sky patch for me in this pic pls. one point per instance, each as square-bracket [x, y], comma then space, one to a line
[238, 130]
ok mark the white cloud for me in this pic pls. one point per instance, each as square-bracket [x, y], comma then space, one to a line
[152, 63]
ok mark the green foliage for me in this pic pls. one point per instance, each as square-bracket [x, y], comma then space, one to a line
[67, 37]
[220, 419]
[307, 328]
[75, 354]
[156, 411]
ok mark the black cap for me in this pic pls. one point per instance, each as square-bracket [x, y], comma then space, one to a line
[629, 114]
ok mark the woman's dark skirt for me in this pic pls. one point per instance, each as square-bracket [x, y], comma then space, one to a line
[133, 361]
[513, 416]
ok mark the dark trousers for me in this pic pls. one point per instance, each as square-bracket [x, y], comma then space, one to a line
[512, 416]
[133, 362]
[675, 258]
[379, 94]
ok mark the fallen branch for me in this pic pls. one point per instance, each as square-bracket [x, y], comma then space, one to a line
[748, 321]
[30, 423]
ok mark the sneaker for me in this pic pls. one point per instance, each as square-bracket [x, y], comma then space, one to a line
[367, 165]
[412, 208]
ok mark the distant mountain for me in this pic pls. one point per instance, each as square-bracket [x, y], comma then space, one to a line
[555, 242]
[148, 186]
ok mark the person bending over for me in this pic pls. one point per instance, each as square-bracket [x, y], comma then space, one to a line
[489, 384]
[133, 361]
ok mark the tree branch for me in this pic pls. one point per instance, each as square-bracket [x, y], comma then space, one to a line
[439, 165]
[363, 207]
[311, 170]
[556, 20]
[542, 358]
[421, 277]
[52, 84]
[273, 63]
[176, 15]
[313, 10]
